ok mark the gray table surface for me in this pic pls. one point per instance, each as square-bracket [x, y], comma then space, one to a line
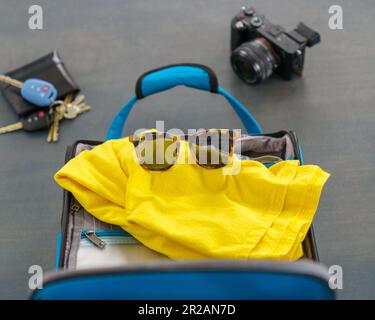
[107, 44]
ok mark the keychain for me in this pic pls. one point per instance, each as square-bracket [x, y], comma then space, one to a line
[38, 92]
[37, 120]
[43, 94]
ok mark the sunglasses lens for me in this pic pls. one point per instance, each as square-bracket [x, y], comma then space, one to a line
[212, 149]
[157, 153]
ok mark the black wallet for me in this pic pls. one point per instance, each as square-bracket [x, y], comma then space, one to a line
[49, 68]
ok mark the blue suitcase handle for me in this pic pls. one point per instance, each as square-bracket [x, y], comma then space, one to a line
[190, 75]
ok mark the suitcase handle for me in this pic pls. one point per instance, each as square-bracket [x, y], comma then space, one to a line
[190, 75]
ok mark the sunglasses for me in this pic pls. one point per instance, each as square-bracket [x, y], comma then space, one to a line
[158, 151]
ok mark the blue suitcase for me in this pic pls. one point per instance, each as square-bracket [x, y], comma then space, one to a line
[126, 269]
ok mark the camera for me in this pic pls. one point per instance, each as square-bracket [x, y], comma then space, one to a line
[260, 48]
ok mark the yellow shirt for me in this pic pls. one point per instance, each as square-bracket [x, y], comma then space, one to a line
[189, 212]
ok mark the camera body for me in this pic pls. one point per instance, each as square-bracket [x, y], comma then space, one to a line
[260, 47]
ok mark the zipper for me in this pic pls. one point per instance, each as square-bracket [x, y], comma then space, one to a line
[74, 207]
[100, 238]
[70, 153]
[90, 235]
[107, 233]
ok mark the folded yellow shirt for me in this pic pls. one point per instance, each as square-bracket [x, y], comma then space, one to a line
[189, 212]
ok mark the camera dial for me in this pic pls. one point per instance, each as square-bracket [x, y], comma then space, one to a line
[256, 21]
[248, 11]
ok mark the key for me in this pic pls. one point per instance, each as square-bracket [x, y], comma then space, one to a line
[67, 109]
[52, 130]
[77, 107]
[36, 91]
[73, 108]
[83, 107]
[35, 121]
[59, 115]
[13, 82]
[52, 126]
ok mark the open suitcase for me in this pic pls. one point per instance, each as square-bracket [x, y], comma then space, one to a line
[96, 260]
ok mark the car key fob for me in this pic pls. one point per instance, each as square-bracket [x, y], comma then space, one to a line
[37, 120]
[39, 92]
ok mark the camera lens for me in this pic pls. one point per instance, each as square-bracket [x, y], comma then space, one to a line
[254, 61]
